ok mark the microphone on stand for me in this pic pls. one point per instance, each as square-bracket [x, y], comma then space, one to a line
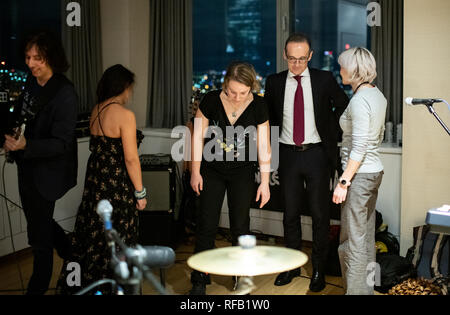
[152, 256]
[130, 265]
[121, 269]
[429, 103]
[422, 101]
[104, 210]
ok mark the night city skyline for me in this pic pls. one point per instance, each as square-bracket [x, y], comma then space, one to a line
[227, 31]
[232, 30]
[22, 18]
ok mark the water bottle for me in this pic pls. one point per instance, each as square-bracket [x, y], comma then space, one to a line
[388, 133]
[399, 135]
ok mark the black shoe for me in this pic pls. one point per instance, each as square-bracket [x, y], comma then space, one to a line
[62, 243]
[317, 282]
[198, 289]
[286, 277]
[65, 252]
[200, 277]
[199, 281]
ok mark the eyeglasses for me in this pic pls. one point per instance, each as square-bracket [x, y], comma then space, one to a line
[301, 60]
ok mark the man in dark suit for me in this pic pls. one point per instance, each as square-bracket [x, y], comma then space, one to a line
[46, 155]
[306, 105]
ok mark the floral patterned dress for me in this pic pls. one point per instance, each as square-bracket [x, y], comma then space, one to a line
[106, 178]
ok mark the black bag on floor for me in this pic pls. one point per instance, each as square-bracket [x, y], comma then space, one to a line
[332, 266]
[386, 242]
[394, 269]
[189, 205]
[430, 256]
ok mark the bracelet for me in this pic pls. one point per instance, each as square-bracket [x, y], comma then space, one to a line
[140, 194]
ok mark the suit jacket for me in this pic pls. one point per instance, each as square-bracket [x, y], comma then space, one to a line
[330, 101]
[50, 155]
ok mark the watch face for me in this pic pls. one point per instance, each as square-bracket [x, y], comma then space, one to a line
[343, 182]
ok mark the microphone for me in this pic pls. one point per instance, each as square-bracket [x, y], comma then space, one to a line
[121, 269]
[104, 210]
[422, 101]
[152, 256]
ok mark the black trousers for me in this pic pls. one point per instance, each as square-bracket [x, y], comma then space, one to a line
[239, 185]
[305, 181]
[44, 233]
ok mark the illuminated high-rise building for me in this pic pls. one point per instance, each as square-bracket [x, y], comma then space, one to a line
[244, 27]
[233, 30]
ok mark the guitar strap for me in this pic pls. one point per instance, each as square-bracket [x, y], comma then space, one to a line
[33, 105]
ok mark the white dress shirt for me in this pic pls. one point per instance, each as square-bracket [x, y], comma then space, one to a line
[287, 133]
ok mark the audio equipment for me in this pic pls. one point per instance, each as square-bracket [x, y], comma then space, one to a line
[157, 228]
[160, 182]
[159, 159]
[157, 222]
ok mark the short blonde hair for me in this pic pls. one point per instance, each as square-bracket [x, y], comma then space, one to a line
[244, 73]
[360, 64]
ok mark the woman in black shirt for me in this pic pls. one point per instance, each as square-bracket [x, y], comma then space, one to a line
[231, 134]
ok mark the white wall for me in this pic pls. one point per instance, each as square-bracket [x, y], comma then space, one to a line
[18, 221]
[160, 141]
[65, 209]
[389, 193]
[125, 40]
[426, 146]
[271, 222]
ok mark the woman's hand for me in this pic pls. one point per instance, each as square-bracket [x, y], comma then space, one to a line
[340, 194]
[141, 204]
[197, 183]
[263, 193]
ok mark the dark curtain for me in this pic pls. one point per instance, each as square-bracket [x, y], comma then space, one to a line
[170, 66]
[84, 51]
[387, 48]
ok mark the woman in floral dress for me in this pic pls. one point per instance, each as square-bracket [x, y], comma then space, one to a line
[113, 173]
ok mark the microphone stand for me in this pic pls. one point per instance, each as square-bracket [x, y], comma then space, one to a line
[433, 112]
[129, 265]
[128, 269]
[131, 284]
[244, 285]
[97, 284]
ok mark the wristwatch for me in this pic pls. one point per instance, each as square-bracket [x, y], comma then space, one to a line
[344, 182]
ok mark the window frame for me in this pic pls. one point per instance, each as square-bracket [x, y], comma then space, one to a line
[284, 29]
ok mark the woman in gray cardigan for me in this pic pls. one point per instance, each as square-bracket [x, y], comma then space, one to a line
[363, 128]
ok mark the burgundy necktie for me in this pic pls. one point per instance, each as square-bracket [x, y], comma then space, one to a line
[299, 114]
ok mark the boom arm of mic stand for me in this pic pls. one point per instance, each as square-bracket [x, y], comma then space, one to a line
[433, 112]
[97, 284]
[114, 236]
[151, 278]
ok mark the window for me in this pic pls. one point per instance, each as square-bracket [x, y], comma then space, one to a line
[19, 18]
[334, 26]
[230, 30]
[256, 30]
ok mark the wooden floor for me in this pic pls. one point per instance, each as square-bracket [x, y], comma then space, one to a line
[177, 276]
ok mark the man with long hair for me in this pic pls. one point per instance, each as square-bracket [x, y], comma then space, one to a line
[46, 154]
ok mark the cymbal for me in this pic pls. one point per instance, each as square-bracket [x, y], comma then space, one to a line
[238, 261]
